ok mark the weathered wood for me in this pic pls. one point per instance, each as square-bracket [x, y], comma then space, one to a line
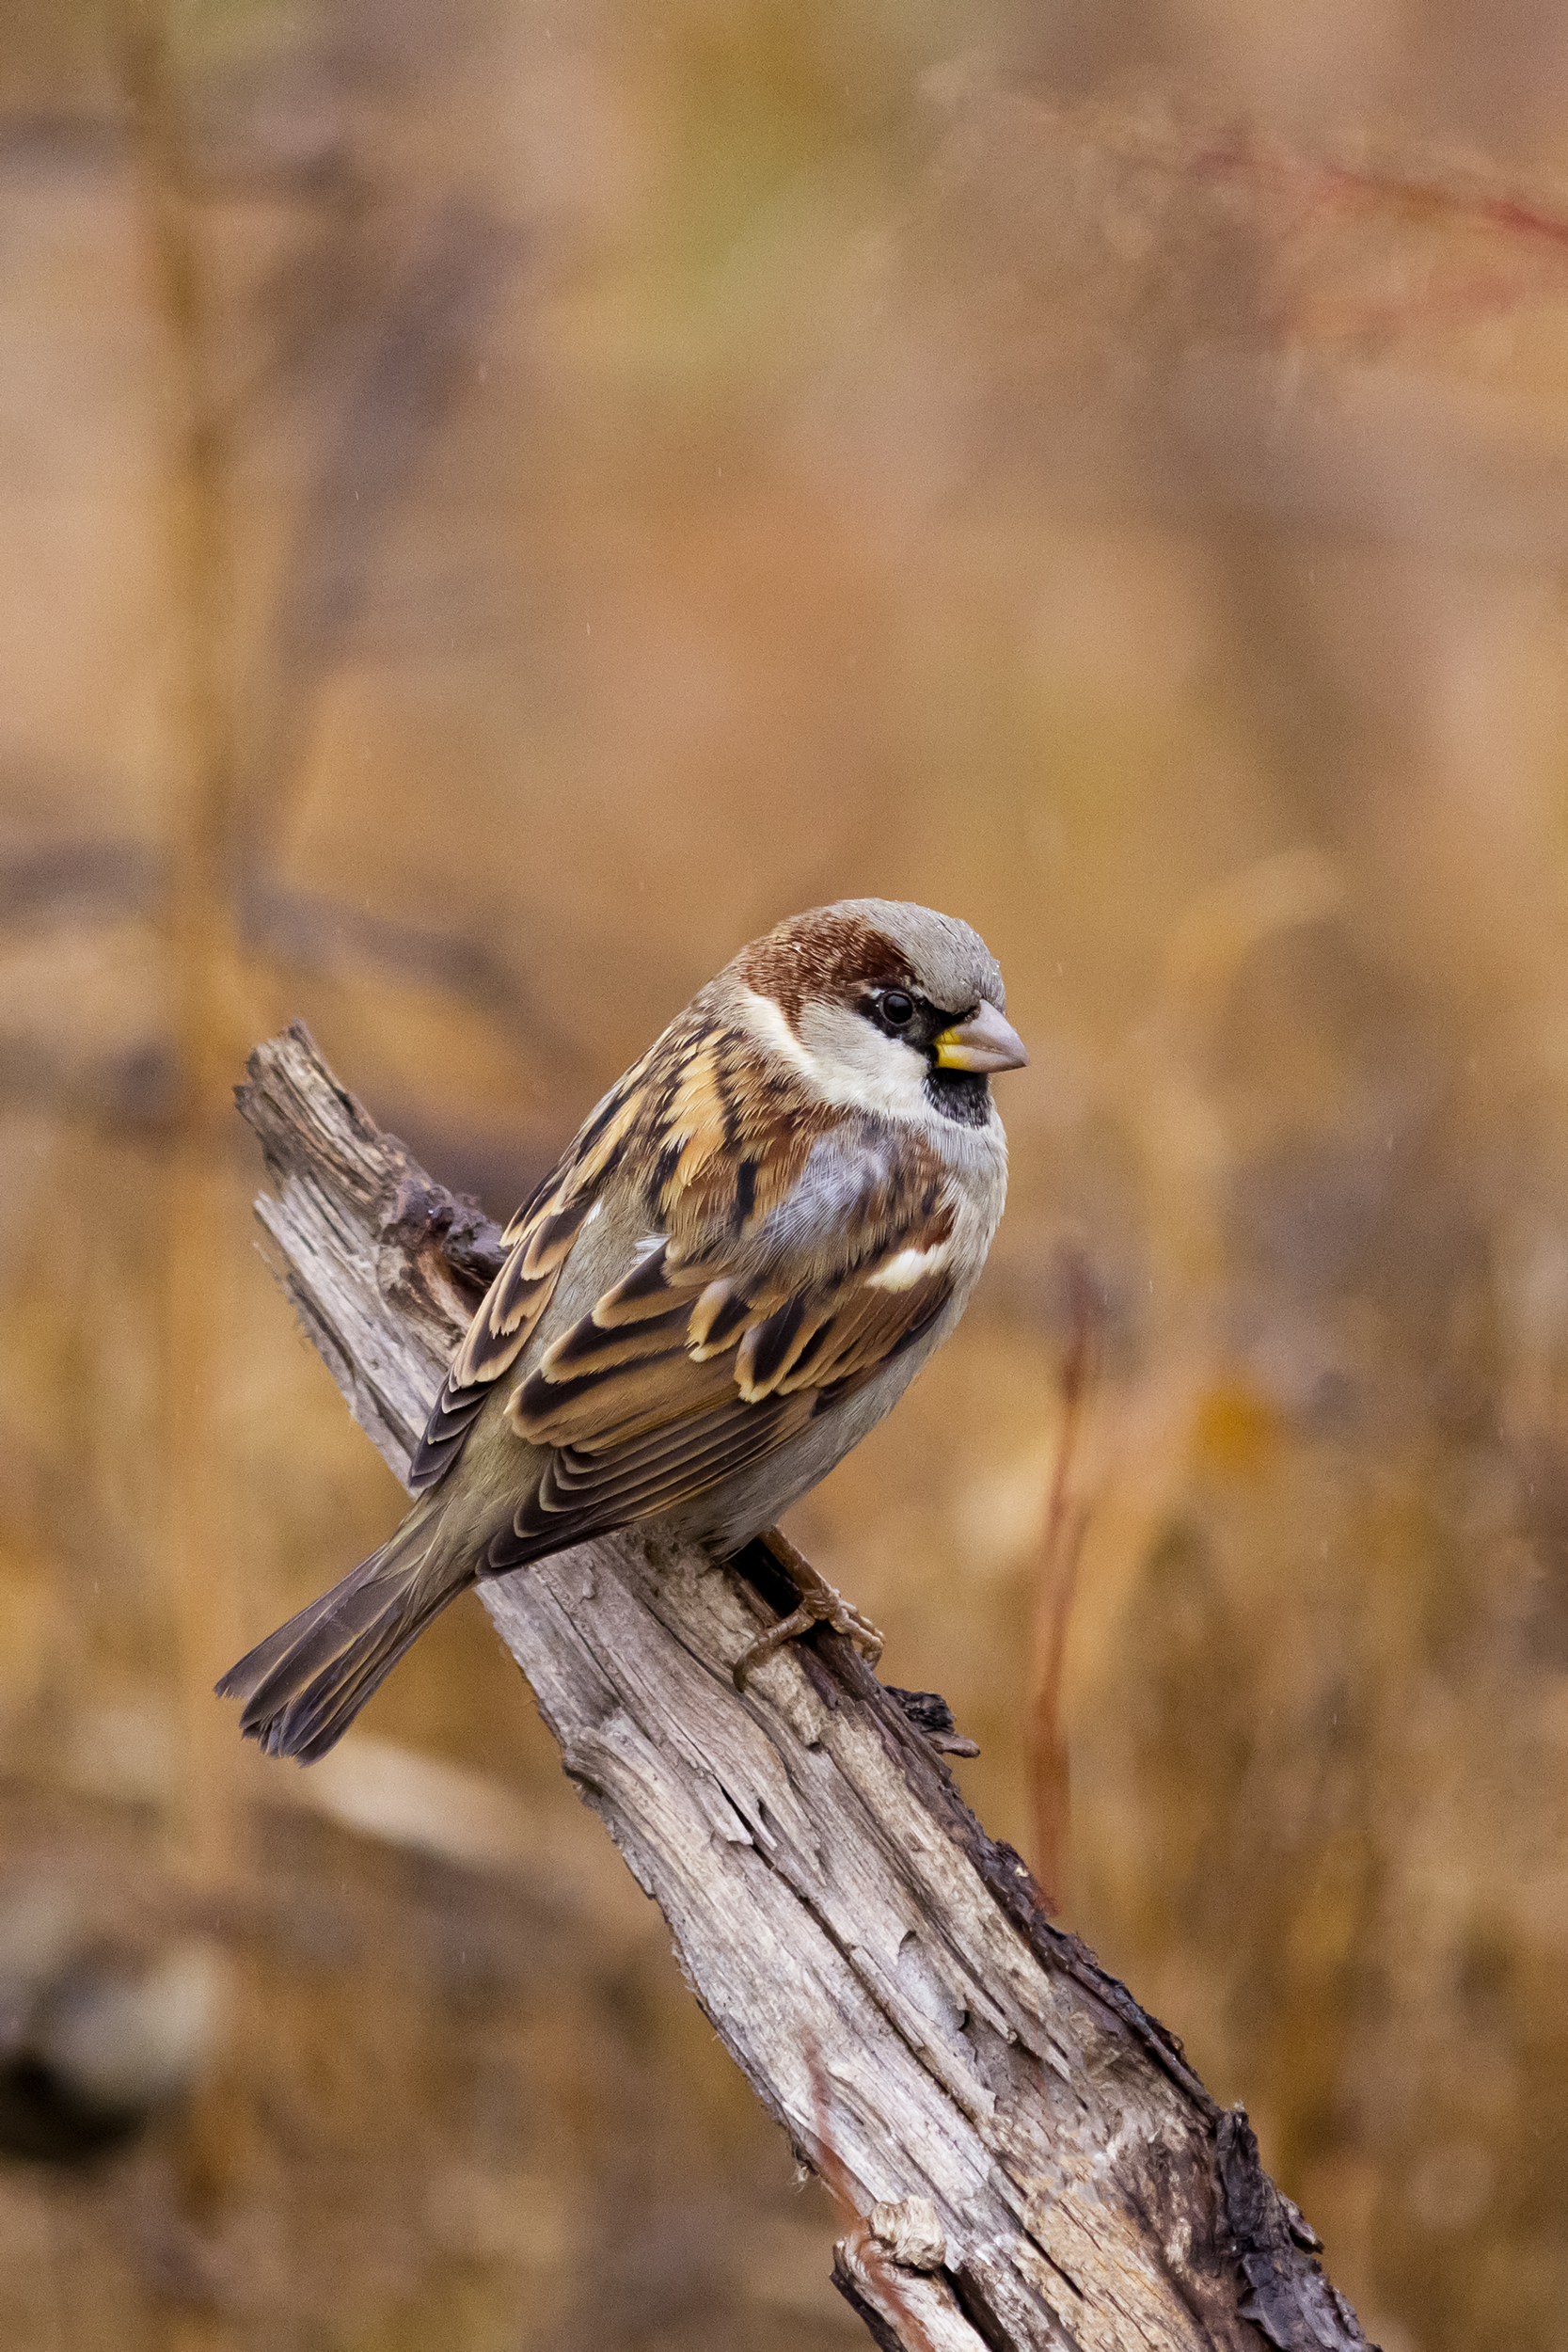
[879, 1968]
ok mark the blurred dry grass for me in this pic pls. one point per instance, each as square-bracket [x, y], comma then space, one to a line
[499, 503]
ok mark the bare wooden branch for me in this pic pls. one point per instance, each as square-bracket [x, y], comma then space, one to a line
[1034, 2161]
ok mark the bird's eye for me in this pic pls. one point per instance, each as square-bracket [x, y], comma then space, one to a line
[898, 1009]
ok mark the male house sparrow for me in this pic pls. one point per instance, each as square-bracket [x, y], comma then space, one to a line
[734, 1269]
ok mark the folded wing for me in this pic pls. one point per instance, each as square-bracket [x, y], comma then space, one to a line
[796, 1258]
[681, 1377]
[540, 1235]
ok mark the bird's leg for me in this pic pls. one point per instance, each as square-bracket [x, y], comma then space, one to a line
[820, 1604]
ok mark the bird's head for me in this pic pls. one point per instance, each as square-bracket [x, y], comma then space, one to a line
[880, 1006]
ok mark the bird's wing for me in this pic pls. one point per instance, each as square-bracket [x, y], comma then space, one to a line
[712, 1154]
[541, 1237]
[698, 1363]
[792, 1253]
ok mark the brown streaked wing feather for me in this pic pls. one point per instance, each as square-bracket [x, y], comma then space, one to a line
[585, 1494]
[601, 1410]
[673, 1114]
[540, 1234]
[867, 1332]
[507, 1317]
[730, 1138]
[639, 1429]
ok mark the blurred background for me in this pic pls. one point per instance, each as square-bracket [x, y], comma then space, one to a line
[500, 503]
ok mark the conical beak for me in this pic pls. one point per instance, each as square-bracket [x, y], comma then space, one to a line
[983, 1042]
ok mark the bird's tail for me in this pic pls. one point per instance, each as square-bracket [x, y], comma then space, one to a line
[303, 1686]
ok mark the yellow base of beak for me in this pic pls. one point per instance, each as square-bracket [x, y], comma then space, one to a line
[983, 1041]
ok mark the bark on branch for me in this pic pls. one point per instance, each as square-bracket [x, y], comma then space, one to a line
[1028, 2158]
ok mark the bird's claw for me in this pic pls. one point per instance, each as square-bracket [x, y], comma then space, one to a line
[820, 1604]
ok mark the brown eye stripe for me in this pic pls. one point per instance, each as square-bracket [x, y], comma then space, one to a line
[822, 955]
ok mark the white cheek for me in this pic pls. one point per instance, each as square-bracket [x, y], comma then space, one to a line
[855, 1064]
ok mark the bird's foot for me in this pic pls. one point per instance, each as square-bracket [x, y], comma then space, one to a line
[820, 1604]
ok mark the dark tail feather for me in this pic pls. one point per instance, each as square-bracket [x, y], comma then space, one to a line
[303, 1686]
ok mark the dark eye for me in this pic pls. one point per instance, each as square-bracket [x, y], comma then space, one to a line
[898, 1009]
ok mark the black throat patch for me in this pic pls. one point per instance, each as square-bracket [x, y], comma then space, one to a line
[961, 1095]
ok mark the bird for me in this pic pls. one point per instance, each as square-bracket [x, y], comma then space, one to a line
[742, 1258]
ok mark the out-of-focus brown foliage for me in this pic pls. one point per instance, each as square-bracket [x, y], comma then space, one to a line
[1067, 1516]
[499, 503]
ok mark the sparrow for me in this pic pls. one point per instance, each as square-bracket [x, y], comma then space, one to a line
[734, 1271]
